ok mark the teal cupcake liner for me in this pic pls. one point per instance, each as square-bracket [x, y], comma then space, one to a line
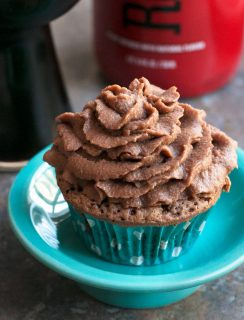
[137, 245]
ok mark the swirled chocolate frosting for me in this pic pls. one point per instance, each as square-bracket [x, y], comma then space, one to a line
[137, 156]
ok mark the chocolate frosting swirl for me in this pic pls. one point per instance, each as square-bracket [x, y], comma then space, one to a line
[133, 154]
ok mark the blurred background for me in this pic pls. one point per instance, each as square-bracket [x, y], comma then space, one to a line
[72, 35]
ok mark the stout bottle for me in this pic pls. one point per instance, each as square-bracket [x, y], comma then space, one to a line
[31, 88]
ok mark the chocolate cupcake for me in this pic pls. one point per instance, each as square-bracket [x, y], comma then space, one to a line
[140, 172]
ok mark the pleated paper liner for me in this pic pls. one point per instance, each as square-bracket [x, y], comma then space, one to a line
[137, 245]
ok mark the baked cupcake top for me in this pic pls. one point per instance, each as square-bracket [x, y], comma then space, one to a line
[137, 156]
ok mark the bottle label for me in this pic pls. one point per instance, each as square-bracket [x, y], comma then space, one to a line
[171, 42]
[154, 48]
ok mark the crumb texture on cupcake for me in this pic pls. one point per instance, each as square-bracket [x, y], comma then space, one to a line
[138, 156]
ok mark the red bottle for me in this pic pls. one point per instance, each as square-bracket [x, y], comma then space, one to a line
[195, 45]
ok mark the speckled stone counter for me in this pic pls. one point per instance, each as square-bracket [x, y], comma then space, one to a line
[30, 291]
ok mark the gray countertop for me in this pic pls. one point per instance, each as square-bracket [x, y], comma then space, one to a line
[30, 291]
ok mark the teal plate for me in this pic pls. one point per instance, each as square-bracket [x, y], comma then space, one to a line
[40, 218]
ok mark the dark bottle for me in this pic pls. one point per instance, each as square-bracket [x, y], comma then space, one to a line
[31, 88]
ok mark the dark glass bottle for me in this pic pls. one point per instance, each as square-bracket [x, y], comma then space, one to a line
[31, 88]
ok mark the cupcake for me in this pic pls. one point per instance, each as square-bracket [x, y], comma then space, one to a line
[140, 172]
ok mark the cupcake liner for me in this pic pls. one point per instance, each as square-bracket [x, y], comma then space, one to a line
[137, 245]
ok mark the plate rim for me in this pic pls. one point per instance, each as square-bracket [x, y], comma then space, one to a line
[91, 276]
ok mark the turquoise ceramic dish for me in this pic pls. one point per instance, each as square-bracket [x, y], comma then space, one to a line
[40, 219]
[137, 245]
